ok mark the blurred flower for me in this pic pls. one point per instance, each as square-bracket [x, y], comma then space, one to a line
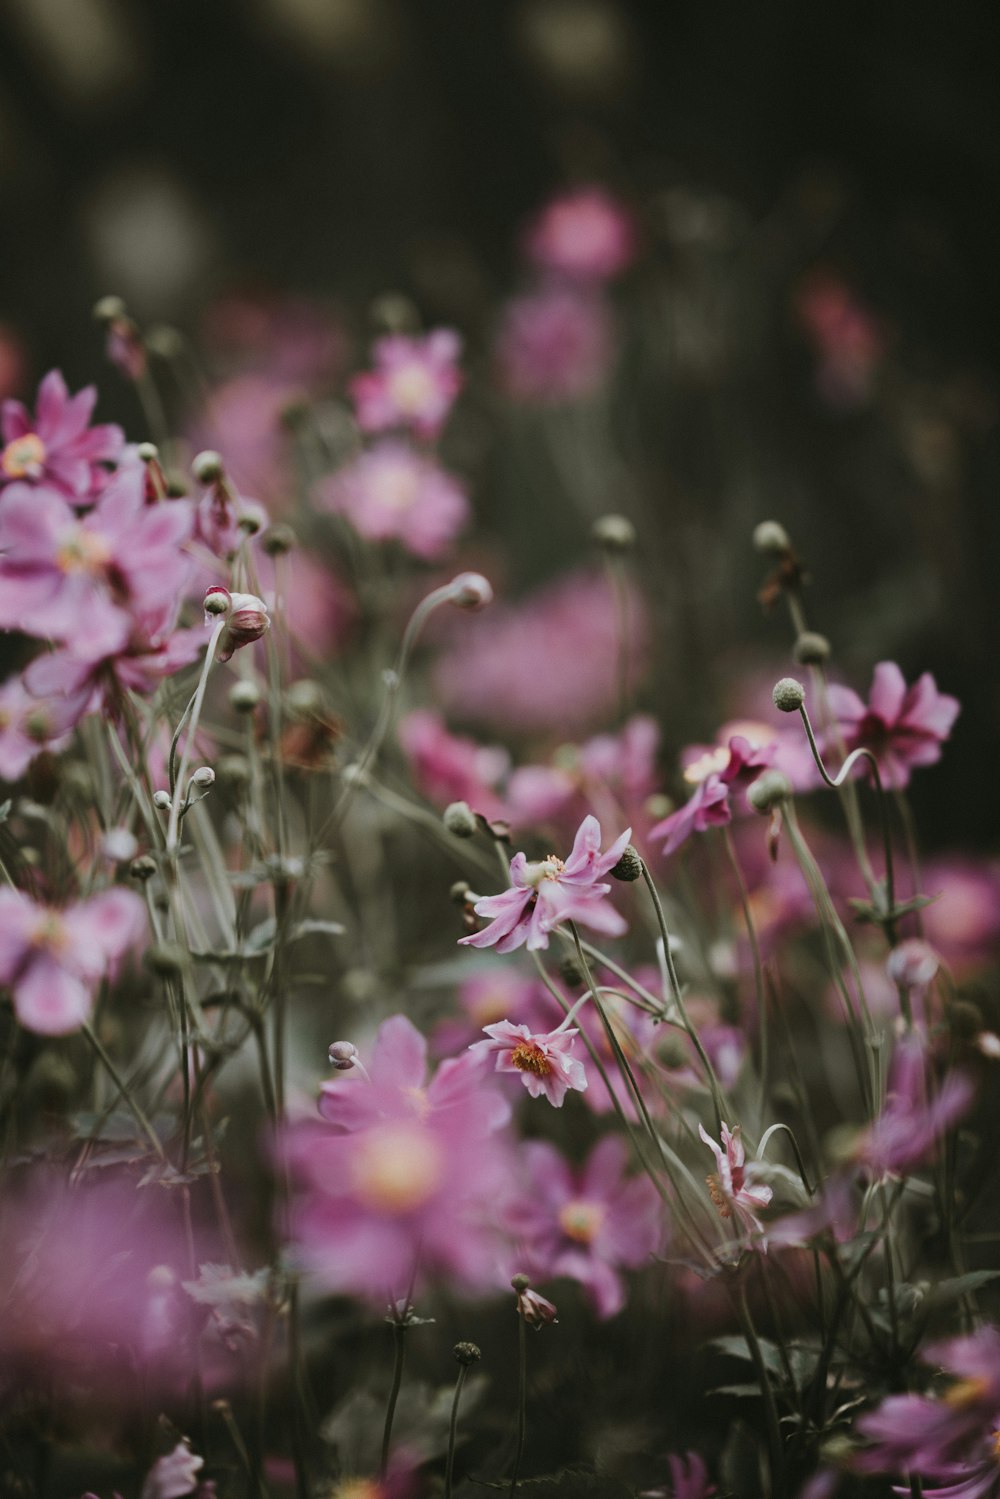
[585, 235]
[173, 1475]
[543, 1060]
[715, 774]
[903, 727]
[487, 996]
[414, 383]
[222, 518]
[448, 768]
[688, 1479]
[390, 491]
[51, 960]
[551, 891]
[612, 773]
[56, 446]
[587, 1224]
[911, 1124]
[847, 338]
[731, 1188]
[554, 344]
[29, 725]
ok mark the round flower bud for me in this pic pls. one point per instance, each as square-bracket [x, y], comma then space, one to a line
[466, 1354]
[769, 790]
[208, 467]
[460, 820]
[165, 341]
[342, 1055]
[165, 959]
[520, 1282]
[142, 868]
[161, 801]
[470, 591]
[615, 533]
[277, 540]
[204, 776]
[913, 964]
[788, 695]
[148, 452]
[119, 845]
[244, 695]
[771, 536]
[109, 310]
[811, 649]
[305, 698]
[571, 973]
[459, 892]
[629, 866]
[218, 600]
[233, 771]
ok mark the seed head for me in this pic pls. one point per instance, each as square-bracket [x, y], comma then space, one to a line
[466, 1354]
[769, 791]
[208, 467]
[811, 649]
[277, 540]
[788, 695]
[629, 866]
[771, 536]
[244, 695]
[460, 820]
[143, 868]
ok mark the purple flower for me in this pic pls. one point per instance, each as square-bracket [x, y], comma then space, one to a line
[56, 447]
[731, 1188]
[556, 344]
[542, 1059]
[715, 774]
[414, 383]
[51, 960]
[911, 1124]
[549, 891]
[392, 492]
[584, 235]
[587, 1224]
[902, 726]
[173, 1475]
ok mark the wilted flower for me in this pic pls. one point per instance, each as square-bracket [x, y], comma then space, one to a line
[904, 727]
[56, 446]
[543, 1060]
[414, 383]
[535, 1310]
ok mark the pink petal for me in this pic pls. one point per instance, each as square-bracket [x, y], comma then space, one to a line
[888, 692]
[51, 1001]
[399, 1056]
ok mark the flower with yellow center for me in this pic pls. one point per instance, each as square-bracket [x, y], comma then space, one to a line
[83, 552]
[581, 1220]
[397, 1168]
[24, 458]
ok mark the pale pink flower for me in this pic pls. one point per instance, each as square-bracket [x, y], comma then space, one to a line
[555, 344]
[57, 447]
[449, 767]
[916, 1115]
[904, 727]
[731, 1188]
[488, 995]
[391, 492]
[612, 773]
[173, 1475]
[29, 725]
[223, 518]
[587, 1224]
[549, 891]
[543, 1060]
[51, 960]
[715, 776]
[246, 619]
[585, 235]
[414, 383]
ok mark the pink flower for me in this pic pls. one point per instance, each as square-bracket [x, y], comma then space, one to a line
[246, 618]
[688, 1479]
[29, 725]
[414, 383]
[51, 960]
[730, 1188]
[903, 727]
[223, 518]
[587, 1224]
[537, 1311]
[450, 768]
[585, 235]
[556, 344]
[488, 995]
[847, 338]
[914, 1119]
[716, 774]
[56, 446]
[391, 492]
[173, 1475]
[545, 893]
[614, 773]
[543, 1060]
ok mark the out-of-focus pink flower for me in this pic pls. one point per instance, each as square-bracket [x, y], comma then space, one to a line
[56, 446]
[848, 339]
[13, 362]
[585, 235]
[51, 960]
[414, 383]
[543, 1060]
[904, 727]
[963, 919]
[392, 492]
[731, 1187]
[488, 996]
[29, 725]
[715, 775]
[173, 1475]
[243, 419]
[688, 1479]
[223, 518]
[548, 663]
[153, 651]
[614, 774]
[451, 768]
[910, 1126]
[550, 891]
[555, 344]
[81, 581]
[588, 1224]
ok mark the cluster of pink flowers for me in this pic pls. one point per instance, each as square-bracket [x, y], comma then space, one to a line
[57, 446]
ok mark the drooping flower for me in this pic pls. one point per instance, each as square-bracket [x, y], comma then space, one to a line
[56, 447]
[731, 1187]
[584, 235]
[246, 619]
[392, 492]
[549, 891]
[414, 383]
[904, 727]
[587, 1224]
[542, 1059]
[51, 960]
[715, 776]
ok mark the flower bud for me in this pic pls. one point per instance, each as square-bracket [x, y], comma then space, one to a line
[913, 964]
[460, 820]
[466, 1354]
[615, 533]
[203, 777]
[771, 536]
[208, 467]
[788, 695]
[277, 540]
[305, 698]
[248, 620]
[165, 959]
[143, 868]
[470, 591]
[459, 892]
[629, 866]
[342, 1055]
[811, 649]
[535, 1309]
[109, 310]
[233, 771]
[165, 341]
[161, 801]
[119, 845]
[769, 790]
[520, 1282]
[148, 452]
[244, 695]
[218, 600]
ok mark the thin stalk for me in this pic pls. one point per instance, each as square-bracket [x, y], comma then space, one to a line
[758, 971]
[463, 1370]
[123, 1089]
[522, 1398]
[399, 1353]
[194, 714]
[767, 1394]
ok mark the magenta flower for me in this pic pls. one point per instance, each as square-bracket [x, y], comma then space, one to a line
[903, 726]
[52, 960]
[688, 1479]
[584, 235]
[174, 1475]
[549, 891]
[451, 768]
[391, 492]
[586, 1224]
[414, 383]
[731, 1188]
[29, 725]
[910, 1127]
[542, 1059]
[716, 774]
[556, 344]
[56, 447]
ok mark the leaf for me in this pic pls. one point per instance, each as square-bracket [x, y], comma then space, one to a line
[735, 1346]
[947, 1292]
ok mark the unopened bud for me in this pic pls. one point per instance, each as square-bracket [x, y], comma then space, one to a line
[208, 467]
[470, 591]
[305, 698]
[769, 790]
[788, 695]
[811, 649]
[466, 1354]
[119, 845]
[277, 540]
[244, 695]
[142, 868]
[148, 452]
[629, 866]
[520, 1282]
[459, 892]
[343, 1055]
[218, 600]
[571, 973]
[248, 620]
[913, 964]
[109, 310]
[164, 959]
[233, 771]
[161, 801]
[615, 533]
[460, 820]
[165, 341]
[203, 777]
[771, 536]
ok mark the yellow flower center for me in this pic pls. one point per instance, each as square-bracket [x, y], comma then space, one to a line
[397, 1168]
[967, 1391]
[357, 1488]
[713, 760]
[581, 1220]
[411, 387]
[24, 457]
[528, 1056]
[718, 1196]
[83, 552]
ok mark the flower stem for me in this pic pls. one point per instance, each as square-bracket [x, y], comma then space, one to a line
[123, 1089]
[399, 1354]
[195, 715]
[463, 1370]
[522, 1398]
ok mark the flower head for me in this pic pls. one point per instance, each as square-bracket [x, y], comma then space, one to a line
[542, 1059]
[246, 619]
[392, 492]
[56, 446]
[555, 344]
[904, 727]
[584, 235]
[414, 383]
[715, 774]
[730, 1187]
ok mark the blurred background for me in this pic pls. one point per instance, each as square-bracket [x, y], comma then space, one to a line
[808, 330]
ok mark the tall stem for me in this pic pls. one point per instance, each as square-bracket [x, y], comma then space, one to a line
[176, 800]
[522, 1398]
[399, 1353]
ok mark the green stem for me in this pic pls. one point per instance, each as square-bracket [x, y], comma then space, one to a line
[453, 1430]
[399, 1353]
[123, 1089]
[522, 1398]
